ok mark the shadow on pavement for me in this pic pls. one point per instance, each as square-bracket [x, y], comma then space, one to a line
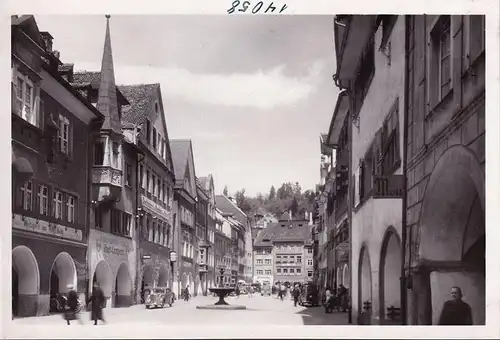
[317, 316]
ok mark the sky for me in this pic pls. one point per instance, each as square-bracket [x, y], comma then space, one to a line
[253, 93]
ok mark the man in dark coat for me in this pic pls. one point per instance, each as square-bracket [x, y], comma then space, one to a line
[343, 297]
[456, 311]
[97, 303]
[296, 294]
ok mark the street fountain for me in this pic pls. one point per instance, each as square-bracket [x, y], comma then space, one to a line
[222, 292]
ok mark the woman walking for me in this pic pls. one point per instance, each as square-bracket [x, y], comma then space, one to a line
[97, 301]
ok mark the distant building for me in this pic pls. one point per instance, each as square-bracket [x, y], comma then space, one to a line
[285, 248]
[241, 235]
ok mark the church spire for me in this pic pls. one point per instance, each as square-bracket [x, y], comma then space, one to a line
[107, 101]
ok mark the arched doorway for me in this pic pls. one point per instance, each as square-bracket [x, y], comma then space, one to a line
[452, 236]
[62, 274]
[364, 286]
[390, 273]
[104, 278]
[163, 277]
[123, 286]
[25, 280]
[147, 281]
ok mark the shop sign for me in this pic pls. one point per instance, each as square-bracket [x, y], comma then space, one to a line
[187, 264]
[156, 208]
[203, 268]
[44, 227]
[106, 244]
[146, 257]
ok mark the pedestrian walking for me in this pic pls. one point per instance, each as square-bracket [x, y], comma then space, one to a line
[328, 301]
[456, 311]
[72, 306]
[237, 291]
[186, 293]
[343, 297]
[296, 294]
[97, 301]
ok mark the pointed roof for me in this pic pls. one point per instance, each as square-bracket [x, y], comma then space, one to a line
[107, 101]
[180, 152]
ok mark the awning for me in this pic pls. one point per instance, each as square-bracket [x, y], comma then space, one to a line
[22, 170]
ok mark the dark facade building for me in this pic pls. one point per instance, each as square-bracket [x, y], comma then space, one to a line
[51, 142]
[185, 196]
[112, 238]
[155, 179]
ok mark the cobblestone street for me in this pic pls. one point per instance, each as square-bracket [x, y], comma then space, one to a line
[260, 311]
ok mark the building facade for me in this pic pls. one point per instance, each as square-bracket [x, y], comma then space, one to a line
[201, 268]
[223, 250]
[185, 195]
[112, 238]
[240, 226]
[207, 183]
[263, 262]
[445, 124]
[415, 81]
[154, 179]
[51, 136]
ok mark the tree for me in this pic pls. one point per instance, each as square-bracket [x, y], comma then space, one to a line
[225, 193]
[272, 193]
[294, 207]
[297, 190]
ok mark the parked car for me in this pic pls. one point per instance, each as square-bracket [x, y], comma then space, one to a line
[310, 295]
[159, 297]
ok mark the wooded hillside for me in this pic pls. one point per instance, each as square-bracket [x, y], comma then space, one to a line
[288, 197]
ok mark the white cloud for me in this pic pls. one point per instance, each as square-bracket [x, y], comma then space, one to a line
[263, 90]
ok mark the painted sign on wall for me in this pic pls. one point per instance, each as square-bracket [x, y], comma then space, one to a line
[45, 227]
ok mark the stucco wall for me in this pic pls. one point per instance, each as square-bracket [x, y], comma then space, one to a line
[371, 220]
[369, 227]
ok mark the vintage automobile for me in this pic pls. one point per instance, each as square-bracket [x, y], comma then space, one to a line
[159, 297]
[309, 295]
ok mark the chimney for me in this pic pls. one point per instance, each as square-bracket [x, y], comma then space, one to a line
[47, 39]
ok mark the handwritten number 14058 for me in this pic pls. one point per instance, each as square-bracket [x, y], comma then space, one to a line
[239, 6]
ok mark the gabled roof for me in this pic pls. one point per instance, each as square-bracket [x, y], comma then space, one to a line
[228, 207]
[293, 231]
[139, 96]
[29, 26]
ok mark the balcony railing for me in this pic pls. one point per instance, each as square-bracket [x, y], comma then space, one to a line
[388, 186]
[102, 174]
